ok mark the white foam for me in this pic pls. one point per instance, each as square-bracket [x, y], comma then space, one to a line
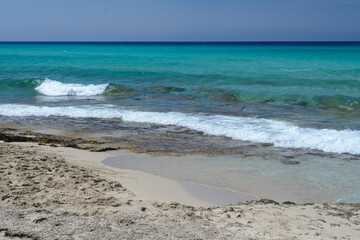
[55, 88]
[279, 133]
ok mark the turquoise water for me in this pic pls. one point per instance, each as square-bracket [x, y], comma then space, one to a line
[289, 112]
[322, 79]
[308, 86]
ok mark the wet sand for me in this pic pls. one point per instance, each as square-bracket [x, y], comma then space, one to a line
[64, 193]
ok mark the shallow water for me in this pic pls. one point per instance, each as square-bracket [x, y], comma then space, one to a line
[302, 179]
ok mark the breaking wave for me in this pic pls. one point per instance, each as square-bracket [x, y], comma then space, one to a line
[55, 88]
[338, 103]
[278, 133]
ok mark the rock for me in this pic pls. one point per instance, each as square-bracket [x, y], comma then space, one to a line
[267, 201]
[40, 220]
[290, 162]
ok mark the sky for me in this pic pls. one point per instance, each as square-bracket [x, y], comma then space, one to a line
[179, 20]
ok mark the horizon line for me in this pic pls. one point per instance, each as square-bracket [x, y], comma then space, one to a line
[191, 43]
[240, 41]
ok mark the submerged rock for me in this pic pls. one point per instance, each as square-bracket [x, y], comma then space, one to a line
[290, 162]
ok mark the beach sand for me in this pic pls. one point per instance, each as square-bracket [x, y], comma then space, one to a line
[65, 193]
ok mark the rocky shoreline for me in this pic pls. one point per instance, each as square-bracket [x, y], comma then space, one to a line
[44, 196]
[25, 135]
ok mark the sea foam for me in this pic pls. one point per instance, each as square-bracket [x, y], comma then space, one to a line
[55, 88]
[278, 133]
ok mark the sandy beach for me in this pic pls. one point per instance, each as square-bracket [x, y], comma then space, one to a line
[65, 193]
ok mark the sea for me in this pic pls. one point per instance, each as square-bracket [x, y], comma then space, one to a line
[276, 120]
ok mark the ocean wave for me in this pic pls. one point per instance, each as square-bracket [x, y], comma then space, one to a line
[259, 130]
[55, 88]
[48, 87]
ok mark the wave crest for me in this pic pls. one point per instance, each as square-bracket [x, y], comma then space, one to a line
[278, 133]
[55, 88]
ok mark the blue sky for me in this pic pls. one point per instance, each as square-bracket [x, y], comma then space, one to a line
[179, 20]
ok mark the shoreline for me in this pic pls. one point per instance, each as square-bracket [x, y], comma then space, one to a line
[147, 186]
[54, 192]
[248, 169]
[198, 191]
